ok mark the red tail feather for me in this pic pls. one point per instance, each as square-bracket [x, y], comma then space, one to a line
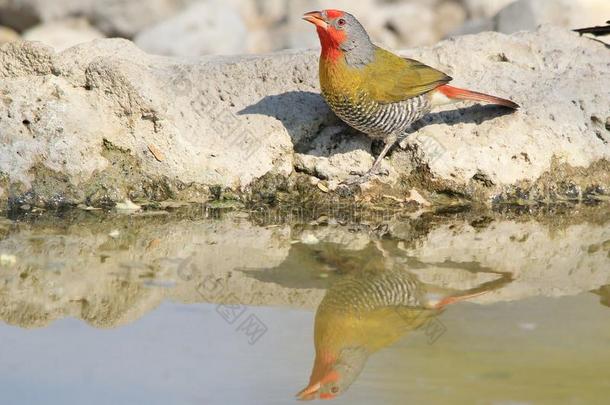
[452, 300]
[463, 94]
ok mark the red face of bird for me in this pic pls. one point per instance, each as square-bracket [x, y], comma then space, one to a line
[339, 32]
[330, 25]
[331, 376]
[325, 387]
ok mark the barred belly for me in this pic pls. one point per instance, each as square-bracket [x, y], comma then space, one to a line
[379, 120]
[385, 289]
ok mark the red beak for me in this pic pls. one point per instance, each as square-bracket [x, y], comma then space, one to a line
[316, 18]
[309, 393]
[313, 389]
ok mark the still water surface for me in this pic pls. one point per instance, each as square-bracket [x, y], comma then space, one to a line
[434, 309]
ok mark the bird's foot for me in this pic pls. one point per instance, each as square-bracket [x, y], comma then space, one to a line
[359, 178]
[379, 172]
[356, 179]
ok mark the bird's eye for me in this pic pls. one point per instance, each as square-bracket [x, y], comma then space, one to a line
[341, 22]
[334, 389]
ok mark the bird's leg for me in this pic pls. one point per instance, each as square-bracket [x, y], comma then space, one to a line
[388, 145]
[390, 141]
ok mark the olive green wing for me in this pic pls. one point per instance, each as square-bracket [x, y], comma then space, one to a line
[391, 79]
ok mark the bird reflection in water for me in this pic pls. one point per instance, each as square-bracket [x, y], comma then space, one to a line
[369, 309]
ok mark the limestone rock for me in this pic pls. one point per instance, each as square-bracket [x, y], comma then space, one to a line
[63, 34]
[24, 14]
[8, 35]
[484, 8]
[113, 17]
[127, 18]
[529, 14]
[79, 126]
[208, 27]
[543, 73]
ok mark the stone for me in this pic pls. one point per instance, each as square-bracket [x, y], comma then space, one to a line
[417, 24]
[474, 26]
[63, 34]
[553, 126]
[394, 24]
[113, 17]
[23, 14]
[77, 125]
[484, 8]
[127, 18]
[208, 27]
[409, 34]
[8, 35]
[529, 14]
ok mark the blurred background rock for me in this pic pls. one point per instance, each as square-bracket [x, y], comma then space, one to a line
[200, 27]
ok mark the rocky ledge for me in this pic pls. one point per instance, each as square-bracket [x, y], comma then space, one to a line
[103, 122]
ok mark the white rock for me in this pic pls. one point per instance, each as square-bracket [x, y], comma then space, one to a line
[127, 206]
[474, 26]
[417, 23]
[529, 14]
[538, 71]
[449, 17]
[123, 18]
[78, 124]
[309, 239]
[412, 23]
[63, 34]
[208, 27]
[7, 260]
[261, 13]
[127, 18]
[24, 14]
[484, 8]
[8, 35]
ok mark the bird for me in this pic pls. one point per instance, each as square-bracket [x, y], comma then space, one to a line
[374, 90]
[374, 302]
[366, 311]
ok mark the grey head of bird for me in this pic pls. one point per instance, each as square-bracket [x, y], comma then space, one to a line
[340, 31]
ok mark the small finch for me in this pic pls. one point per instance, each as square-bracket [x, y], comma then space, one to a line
[375, 91]
[364, 313]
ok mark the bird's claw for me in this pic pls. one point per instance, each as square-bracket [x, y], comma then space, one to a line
[356, 180]
[359, 178]
[380, 172]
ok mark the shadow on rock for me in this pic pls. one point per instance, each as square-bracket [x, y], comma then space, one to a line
[315, 130]
[303, 113]
[475, 114]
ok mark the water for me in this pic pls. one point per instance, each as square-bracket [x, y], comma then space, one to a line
[202, 307]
